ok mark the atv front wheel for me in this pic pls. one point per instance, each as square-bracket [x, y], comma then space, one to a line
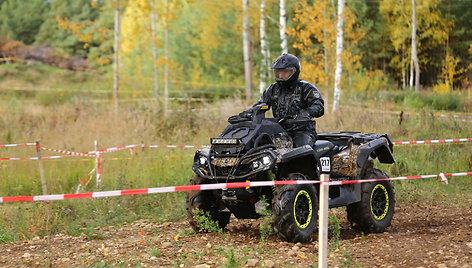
[295, 210]
[206, 201]
[374, 213]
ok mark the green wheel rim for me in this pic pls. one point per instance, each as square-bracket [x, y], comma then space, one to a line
[302, 209]
[379, 202]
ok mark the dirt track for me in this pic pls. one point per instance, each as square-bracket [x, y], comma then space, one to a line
[420, 236]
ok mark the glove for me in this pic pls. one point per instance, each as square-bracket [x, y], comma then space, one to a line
[303, 115]
[242, 116]
[246, 114]
[233, 119]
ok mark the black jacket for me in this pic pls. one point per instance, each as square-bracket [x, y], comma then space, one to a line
[302, 99]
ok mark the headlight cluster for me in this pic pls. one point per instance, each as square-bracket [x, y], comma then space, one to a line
[260, 162]
[202, 160]
[201, 157]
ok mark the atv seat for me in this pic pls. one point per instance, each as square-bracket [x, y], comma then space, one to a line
[323, 147]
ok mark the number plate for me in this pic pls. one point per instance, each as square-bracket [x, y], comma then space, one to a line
[325, 164]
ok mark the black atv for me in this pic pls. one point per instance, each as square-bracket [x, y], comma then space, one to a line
[255, 148]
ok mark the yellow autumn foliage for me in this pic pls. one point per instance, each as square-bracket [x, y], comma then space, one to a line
[315, 37]
[432, 29]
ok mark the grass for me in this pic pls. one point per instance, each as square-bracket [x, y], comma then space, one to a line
[75, 122]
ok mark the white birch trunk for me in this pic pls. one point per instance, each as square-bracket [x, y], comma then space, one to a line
[414, 50]
[283, 27]
[154, 50]
[265, 53]
[247, 51]
[116, 56]
[166, 59]
[326, 67]
[403, 67]
[339, 51]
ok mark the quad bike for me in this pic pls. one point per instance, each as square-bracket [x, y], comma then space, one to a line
[256, 148]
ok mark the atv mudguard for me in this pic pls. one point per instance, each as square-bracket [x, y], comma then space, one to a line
[304, 160]
[300, 160]
[378, 148]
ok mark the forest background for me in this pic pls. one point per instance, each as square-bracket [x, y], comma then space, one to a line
[57, 80]
[199, 43]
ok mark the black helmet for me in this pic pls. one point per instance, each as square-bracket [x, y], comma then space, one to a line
[286, 69]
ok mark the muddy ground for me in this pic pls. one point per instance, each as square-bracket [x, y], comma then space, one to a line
[420, 236]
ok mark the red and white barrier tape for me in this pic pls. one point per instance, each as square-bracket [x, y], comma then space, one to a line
[99, 169]
[441, 175]
[84, 179]
[114, 149]
[177, 146]
[134, 146]
[34, 158]
[18, 144]
[432, 141]
[151, 190]
[68, 152]
[215, 186]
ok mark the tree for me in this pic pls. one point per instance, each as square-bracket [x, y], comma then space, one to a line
[79, 12]
[154, 48]
[432, 31]
[247, 51]
[339, 51]
[166, 58]
[414, 53]
[116, 57]
[283, 27]
[314, 40]
[20, 21]
[264, 63]
[458, 43]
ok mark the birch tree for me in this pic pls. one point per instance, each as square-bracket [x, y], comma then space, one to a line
[414, 50]
[154, 49]
[283, 27]
[116, 58]
[339, 50]
[166, 60]
[431, 33]
[264, 51]
[247, 51]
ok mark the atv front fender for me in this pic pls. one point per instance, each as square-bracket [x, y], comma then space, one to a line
[378, 148]
[300, 160]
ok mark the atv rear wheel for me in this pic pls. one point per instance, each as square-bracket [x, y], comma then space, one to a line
[295, 210]
[374, 213]
[207, 201]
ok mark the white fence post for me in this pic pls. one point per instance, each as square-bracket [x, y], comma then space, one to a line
[98, 166]
[44, 186]
[323, 214]
[323, 222]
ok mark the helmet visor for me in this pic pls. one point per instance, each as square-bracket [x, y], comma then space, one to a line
[284, 74]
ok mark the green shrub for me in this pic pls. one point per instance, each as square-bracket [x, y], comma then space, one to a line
[204, 221]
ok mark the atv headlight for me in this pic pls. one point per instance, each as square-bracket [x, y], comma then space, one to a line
[266, 160]
[260, 162]
[202, 160]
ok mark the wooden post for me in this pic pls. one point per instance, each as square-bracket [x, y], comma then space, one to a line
[98, 166]
[323, 222]
[41, 169]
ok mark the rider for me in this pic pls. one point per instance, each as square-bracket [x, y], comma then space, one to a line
[292, 98]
